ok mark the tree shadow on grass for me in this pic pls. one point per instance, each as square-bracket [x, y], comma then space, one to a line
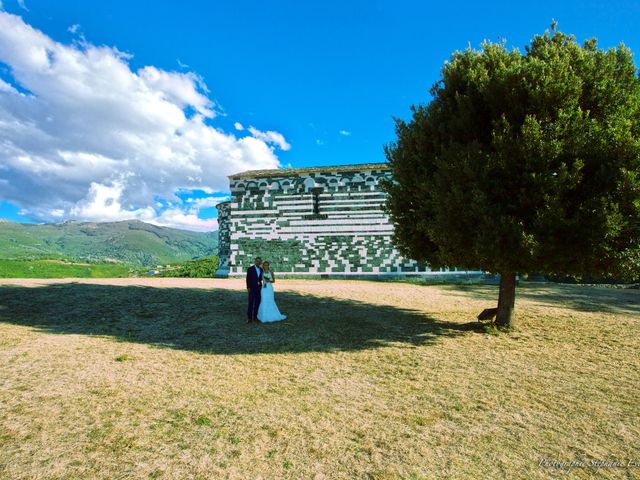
[213, 320]
[584, 298]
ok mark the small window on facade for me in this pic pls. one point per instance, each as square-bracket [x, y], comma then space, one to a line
[316, 191]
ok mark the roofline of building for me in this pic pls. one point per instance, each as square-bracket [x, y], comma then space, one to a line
[288, 172]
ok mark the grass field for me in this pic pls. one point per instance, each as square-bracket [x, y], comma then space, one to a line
[102, 379]
[61, 269]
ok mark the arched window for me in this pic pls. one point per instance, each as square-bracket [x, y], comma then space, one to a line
[309, 183]
[275, 186]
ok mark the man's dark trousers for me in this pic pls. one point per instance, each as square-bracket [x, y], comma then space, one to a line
[254, 302]
[254, 287]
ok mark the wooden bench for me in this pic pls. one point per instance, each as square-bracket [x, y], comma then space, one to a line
[488, 314]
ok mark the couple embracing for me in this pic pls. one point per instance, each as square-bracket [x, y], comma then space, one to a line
[262, 304]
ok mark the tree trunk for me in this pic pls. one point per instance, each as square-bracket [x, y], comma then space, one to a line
[506, 299]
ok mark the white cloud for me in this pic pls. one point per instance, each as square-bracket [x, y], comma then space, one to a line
[177, 218]
[270, 137]
[104, 203]
[344, 133]
[238, 126]
[188, 218]
[181, 64]
[84, 136]
[22, 5]
[206, 202]
[319, 142]
[73, 28]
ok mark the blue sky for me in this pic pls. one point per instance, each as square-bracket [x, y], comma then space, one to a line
[327, 77]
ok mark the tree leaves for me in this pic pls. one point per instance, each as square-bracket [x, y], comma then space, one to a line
[524, 161]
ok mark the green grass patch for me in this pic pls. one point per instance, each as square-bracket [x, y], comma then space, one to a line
[62, 269]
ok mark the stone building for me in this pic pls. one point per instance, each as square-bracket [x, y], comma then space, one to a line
[311, 221]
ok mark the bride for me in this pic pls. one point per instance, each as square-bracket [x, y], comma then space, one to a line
[268, 310]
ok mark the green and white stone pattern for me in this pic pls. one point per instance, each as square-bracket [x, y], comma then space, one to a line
[224, 238]
[310, 221]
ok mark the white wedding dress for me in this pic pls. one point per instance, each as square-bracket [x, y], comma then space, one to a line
[268, 311]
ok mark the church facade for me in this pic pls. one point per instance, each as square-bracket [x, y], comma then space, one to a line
[323, 221]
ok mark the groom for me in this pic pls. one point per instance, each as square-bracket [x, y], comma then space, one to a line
[254, 287]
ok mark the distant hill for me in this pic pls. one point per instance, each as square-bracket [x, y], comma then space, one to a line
[131, 241]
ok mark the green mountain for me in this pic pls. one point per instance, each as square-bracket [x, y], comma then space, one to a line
[131, 241]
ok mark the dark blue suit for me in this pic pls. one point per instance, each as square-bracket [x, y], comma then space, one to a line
[254, 285]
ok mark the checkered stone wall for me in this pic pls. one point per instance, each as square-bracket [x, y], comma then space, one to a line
[310, 221]
[224, 239]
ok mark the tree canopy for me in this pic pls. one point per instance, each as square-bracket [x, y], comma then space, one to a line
[523, 162]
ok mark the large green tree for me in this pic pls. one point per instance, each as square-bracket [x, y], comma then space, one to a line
[523, 162]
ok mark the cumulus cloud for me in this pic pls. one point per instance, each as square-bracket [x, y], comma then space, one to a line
[84, 136]
[270, 137]
[238, 126]
[22, 5]
[344, 133]
[187, 220]
[74, 28]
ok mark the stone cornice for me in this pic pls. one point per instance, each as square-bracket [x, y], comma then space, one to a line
[296, 172]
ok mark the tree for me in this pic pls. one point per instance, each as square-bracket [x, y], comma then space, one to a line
[523, 162]
[201, 268]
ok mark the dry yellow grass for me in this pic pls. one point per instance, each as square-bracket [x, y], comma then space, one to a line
[103, 380]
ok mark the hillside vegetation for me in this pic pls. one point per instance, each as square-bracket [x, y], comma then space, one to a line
[131, 242]
[200, 268]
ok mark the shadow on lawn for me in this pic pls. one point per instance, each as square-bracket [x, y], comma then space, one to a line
[584, 298]
[213, 320]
